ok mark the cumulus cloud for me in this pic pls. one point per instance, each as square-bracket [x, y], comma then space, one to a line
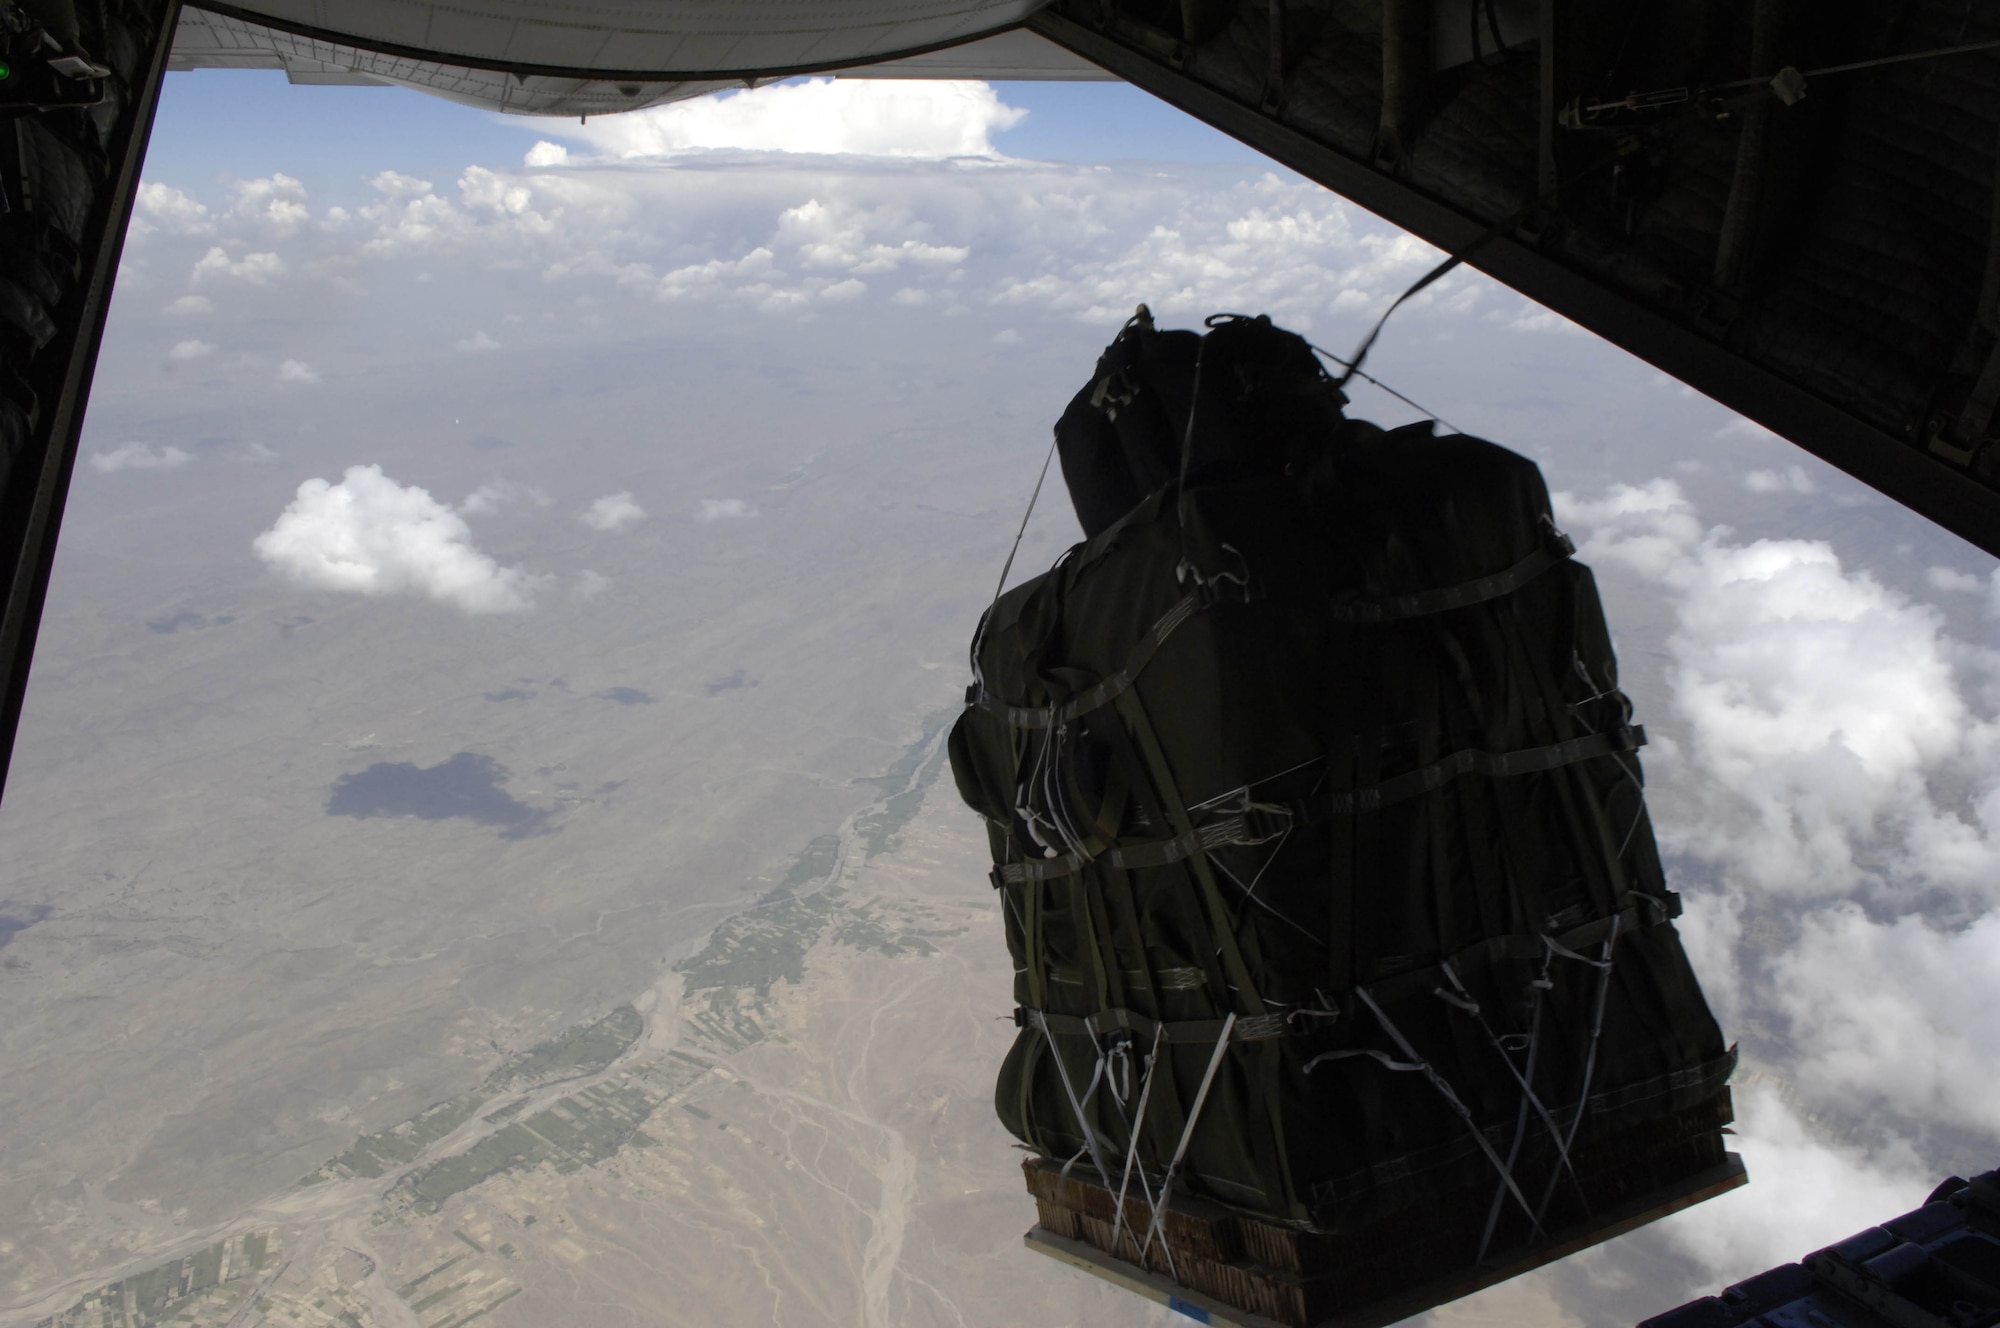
[138, 456]
[185, 351]
[614, 511]
[409, 215]
[861, 117]
[1272, 247]
[1950, 578]
[369, 535]
[860, 240]
[1533, 318]
[1804, 1193]
[276, 203]
[589, 585]
[1792, 479]
[490, 497]
[1739, 427]
[188, 305]
[1897, 1014]
[257, 269]
[724, 509]
[478, 341]
[1826, 711]
[1025, 239]
[297, 371]
[1829, 798]
[546, 154]
[163, 208]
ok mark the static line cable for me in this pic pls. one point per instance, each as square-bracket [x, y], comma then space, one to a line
[1504, 226]
[1354, 371]
[1033, 498]
[1907, 57]
[979, 637]
[1788, 85]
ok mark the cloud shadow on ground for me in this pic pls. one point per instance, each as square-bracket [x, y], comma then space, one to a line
[626, 696]
[18, 918]
[467, 787]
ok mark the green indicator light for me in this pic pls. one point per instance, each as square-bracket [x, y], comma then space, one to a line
[6, 71]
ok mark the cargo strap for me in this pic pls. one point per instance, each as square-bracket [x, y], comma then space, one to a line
[1076, 1104]
[1201, 597]
[1159, 1227]
[1249, 1028]
[1206, 593]
[1645, 911]
[1259, 823]
[1603, 965]
[1132, 1151]
[1497, 765]
[1477, 591]
[1418, 1065]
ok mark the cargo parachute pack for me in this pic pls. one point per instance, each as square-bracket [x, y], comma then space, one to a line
[1344, 960]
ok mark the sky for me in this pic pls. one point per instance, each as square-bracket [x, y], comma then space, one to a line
[350, 323]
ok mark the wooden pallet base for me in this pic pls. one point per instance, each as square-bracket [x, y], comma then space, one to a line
[1453, 1286]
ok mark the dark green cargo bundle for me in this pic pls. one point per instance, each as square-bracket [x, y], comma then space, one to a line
[1321, 841]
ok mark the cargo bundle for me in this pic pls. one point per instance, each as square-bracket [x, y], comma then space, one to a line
[1346, 972]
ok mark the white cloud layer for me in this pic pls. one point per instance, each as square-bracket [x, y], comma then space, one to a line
[490, 497]
[1803, 1194]
[614, 511]
[860, 117]
[257, 269]
[1792, 479]
[1831, 770]
[805, 237]
[163, 208]
[724, 509]
[276, 203]
[138, 456]
[368, 535]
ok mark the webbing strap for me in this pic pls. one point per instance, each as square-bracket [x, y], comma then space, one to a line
[1075, 1103]
[1644, 911]
[1418, 1064]
[1159, 1227]
[1590, 1058]
[1497, 765]
[1259, 824]
[1262, 822]
[1476, 591]
[1132, 1149]
[1249, 1028]
[1051, 716]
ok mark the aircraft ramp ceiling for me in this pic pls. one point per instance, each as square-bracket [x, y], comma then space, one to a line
[1822, 254]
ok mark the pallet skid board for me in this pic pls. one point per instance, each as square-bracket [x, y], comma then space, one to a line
[1223, 1295]
[1191, 1223]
